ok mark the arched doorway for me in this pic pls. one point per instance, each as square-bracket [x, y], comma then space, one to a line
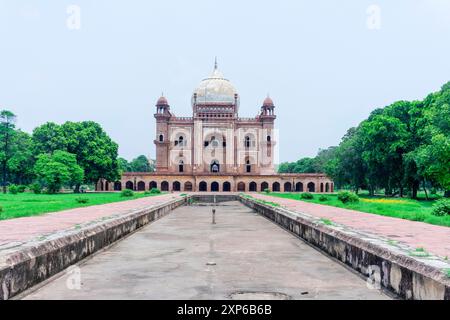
[117, 186]
[327, 187]
[226, 186]
[164, 186]
[106, 186]
[241, 187]
[215, 166]
[264, 186]
[129, 185]
[287, 187]
[181, 166]
[215, 186]
[141, 186]
[252, 187]
[203, 186]
[153, 185]
[176, 186]
[311, 187]
[276, 187]
[188, 186]
[248, 166]
[321, 187]
[299, 187]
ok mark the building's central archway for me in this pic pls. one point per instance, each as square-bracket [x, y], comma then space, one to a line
[215, 186]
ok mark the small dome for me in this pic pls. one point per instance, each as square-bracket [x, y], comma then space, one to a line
[268, 102]
[162, 101]
[215, 89]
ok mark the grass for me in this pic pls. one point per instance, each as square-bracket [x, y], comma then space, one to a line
[403, 208]
[269, 203]
[327, 222]
[30, 204]
[447, 272]
[419, 252]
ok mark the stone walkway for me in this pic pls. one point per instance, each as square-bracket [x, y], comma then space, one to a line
[185, 256]
[25, 229]
[434, 239]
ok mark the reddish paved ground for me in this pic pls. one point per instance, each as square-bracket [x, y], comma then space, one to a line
[435, 239]
[28, 228]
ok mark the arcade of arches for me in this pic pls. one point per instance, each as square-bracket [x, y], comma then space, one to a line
[319, 183]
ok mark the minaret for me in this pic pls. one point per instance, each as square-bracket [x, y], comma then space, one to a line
[268, 108]
[162, 117]
[268, 139]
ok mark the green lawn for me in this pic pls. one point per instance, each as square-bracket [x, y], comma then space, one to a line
[30, 204]
[415, 210]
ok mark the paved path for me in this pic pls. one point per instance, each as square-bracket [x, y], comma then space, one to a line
[435, 239]
[169, 258]
[25, 229]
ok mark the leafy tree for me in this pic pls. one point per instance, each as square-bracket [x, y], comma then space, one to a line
[434, 161]
[347, 166]
[7, 133]
[57, 170]
[21, 162]
[123, 165]
[141, 164]
[384, 142]
[48, 138]
[95, 151]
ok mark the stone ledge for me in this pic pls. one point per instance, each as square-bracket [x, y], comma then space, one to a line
[406, 276]
[28, 264]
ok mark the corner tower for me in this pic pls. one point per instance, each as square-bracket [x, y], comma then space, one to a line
[162, 141]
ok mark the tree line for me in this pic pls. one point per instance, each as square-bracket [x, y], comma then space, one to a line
[56, 156]
[399, 148]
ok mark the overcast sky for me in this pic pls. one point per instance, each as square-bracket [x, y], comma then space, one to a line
[327, 64]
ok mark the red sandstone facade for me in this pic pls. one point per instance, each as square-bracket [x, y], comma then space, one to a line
[215, 149]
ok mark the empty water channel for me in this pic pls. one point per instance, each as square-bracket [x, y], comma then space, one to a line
[186, 256]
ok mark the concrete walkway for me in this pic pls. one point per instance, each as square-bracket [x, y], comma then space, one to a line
[16, 231]
[435, 239]
[184, 256]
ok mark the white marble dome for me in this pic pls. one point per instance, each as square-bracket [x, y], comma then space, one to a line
[215, 89]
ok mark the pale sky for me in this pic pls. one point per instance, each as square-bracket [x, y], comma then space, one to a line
[325, 63]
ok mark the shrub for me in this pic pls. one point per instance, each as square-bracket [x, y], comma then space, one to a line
[441, 208]
[155, 190]
[82, 200]
[307, 195]
[433, 191]
[348, 197]
[21, 188]
[323, 198]
[127, 193]
[13, 189]
[266, 190]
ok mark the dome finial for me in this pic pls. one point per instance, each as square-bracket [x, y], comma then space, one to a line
[215, 63]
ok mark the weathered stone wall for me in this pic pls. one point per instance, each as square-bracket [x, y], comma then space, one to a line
[31, 265]
[405, 276]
